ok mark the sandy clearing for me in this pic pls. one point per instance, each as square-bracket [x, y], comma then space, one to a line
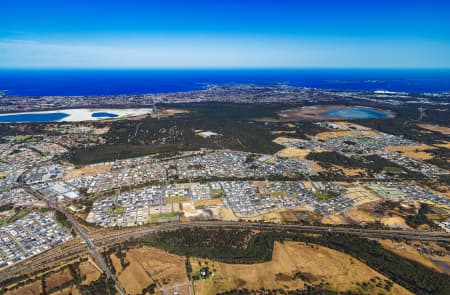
[87, 170]
[395, 222]
[359, 216]
[212, 202]
[285, 140]
[292, 152]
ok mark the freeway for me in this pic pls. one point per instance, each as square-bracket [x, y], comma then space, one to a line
[105, 239]
[91, 246]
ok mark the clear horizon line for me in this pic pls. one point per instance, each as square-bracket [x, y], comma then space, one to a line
[223, 68]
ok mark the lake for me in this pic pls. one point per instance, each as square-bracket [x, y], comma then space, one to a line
[357, 113]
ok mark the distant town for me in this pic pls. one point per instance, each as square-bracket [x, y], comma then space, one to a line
[272, 155]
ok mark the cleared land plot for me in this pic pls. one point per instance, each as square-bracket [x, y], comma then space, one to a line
[436, 128]
[284, 140]
[89, 272]
[58, 279]
[292, 152]
[87, 170]
[293, 264]
[414, 152]
[34, 288]
[410, 252]
[153, 266]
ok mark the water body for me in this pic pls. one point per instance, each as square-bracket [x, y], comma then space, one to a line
[110, 82]
[32, 117]
[104, 115]
[357, 113]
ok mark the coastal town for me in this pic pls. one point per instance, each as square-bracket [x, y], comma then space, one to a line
[304, 167]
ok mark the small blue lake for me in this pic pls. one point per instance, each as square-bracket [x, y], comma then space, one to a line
[32, 117]
[358, 113]
[104, 115]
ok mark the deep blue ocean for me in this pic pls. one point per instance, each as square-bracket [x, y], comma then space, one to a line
[97, 82]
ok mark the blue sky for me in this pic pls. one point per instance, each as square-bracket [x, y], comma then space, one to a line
[225, 34]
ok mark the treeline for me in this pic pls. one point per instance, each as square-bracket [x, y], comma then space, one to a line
[232, 246]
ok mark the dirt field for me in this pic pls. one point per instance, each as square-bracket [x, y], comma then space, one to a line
[436, 128]
[444, 145]
[351, 171]
[274, 217]
[292, 152]
[342, 272]
[414, 152]
[151, 265]
[88, 270]
[410, 252]
[30, 289]
[394, 222]
[165, 113]
[57, 279]
[284, 140]
[72, 290]
[212, 202]
[87, 170]
[316, 167]
[359, 216]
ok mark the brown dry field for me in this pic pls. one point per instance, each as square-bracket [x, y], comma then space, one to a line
[335, 219]
[87, 170]
[330, 134]
[274, 217]
[414, 152]
[72, 290]
[226, 214]
[436, 128]
[212, 202]
[444, 145]
[292, 152]
[341, 271]
[410, 252]
[351, 171]
[395, 222]
[151, 265]
[30, 289]
[283, 140]
[359, 216]
[316, 167]
[57, 279]
[90, 271]
[164, 113]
